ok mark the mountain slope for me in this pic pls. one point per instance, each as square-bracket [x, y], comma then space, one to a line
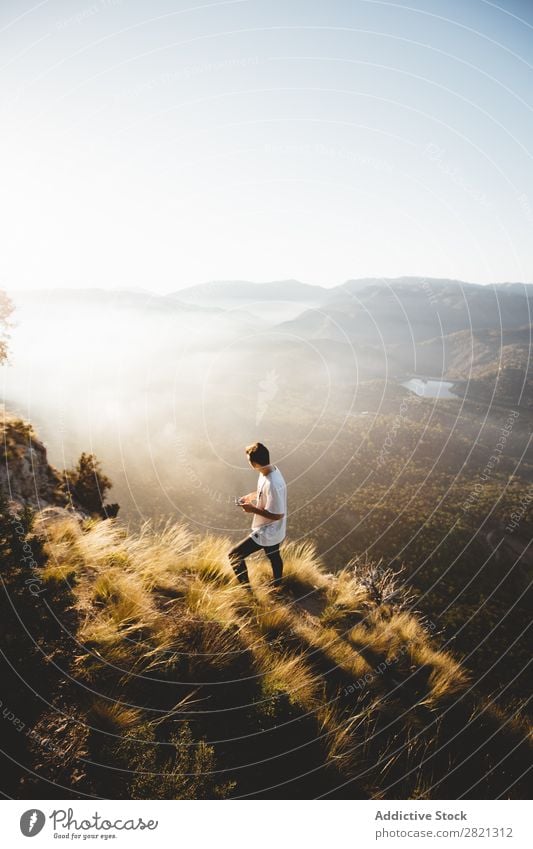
[221, 291]
[166, 666]
[137, 667]
[412, 310]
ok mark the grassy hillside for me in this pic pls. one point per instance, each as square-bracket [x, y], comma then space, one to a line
[421, 492]
[134, 665]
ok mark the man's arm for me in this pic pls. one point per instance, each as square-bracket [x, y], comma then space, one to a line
[250, 508]
[274, 501]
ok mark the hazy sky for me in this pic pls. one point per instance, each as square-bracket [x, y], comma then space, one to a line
[160, 143]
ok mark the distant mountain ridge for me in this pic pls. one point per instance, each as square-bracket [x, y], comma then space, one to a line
[367, 327]
[412, 310]
[297, 290]
[363, 282]
[283, 290]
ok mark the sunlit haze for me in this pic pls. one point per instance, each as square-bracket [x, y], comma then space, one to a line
[155, 146]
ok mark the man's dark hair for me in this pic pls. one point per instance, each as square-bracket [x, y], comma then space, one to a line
[257, 453]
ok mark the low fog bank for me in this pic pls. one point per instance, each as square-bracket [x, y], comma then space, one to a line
[167, 397]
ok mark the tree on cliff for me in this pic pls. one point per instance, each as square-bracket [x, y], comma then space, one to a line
[88, 485]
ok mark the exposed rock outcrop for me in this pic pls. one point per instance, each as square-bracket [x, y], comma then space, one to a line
[26, 476]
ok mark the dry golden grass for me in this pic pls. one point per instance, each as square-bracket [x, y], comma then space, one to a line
[335, 654]
[163, 605]
[447, 677]
[345, 736]
[58, 528]
[274, 620]
[102, 632]
[302, 569]
[208, 559]
[205, 600]
[386, 632]
[100, 541]
[62, 550]
[120, 576]
[344, 596]
[112, 717]
[198, 651]
[60, 572]
[158, 556]
[290, 674]
[121, 594]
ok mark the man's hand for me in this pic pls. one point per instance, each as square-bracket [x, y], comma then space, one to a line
[247, 499]
[249, 508]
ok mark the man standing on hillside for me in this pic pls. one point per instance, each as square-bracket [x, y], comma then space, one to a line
[269, 523]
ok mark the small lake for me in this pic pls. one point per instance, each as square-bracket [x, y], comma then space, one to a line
[430, 388]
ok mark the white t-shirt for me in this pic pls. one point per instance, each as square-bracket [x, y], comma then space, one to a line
[271, 496]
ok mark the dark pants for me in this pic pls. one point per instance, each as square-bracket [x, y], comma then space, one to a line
[248, 546]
